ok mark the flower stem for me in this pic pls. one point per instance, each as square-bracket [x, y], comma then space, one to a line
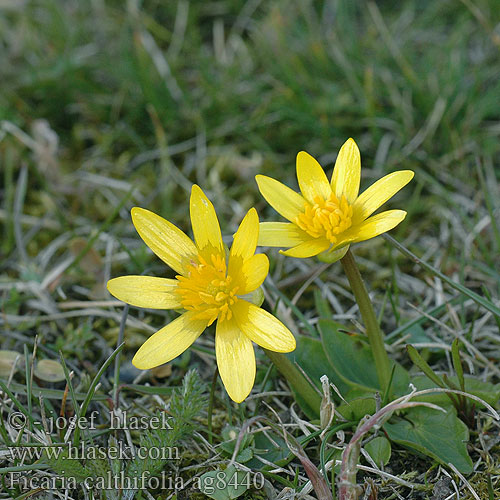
[375, 337]
[296, 378]
[211, 405]
[116, 378]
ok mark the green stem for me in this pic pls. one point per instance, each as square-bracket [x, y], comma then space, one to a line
[295, 378]
[116, 378]
[375, 337]
[211, 405]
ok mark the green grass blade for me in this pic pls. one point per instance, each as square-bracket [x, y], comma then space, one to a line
[457, 363]
[487, 304]
[424, 366]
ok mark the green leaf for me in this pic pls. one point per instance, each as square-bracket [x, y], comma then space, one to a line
[485, 390]
[49, 370]
[379, 450]
[441, 436]
[311, 358]
[352, 359]
[244, 455]
[357, 407]
[7, 361]
[424, 366]
[225, 484]
[63, 464]
[322, 307]
[272, 448]
[348, 355]
[245, 452]
[457, 363]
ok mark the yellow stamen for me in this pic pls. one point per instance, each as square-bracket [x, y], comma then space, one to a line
[206, 290]
[326, 218]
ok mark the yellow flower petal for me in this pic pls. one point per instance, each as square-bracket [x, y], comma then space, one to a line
[244, 241]
[169, 342]
[284, 200]
[252, 273]
[312, 178]
[379, 192]
[206, 228]
[280, 234]
[376, 225]
[168, 242]
[263, 328]
[347, 172]
[145, 291]
[235, 359]
[308, 248]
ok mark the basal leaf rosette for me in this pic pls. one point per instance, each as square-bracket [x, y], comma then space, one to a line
[327, 217]
[210, 286]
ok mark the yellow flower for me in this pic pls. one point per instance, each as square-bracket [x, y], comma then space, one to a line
[329, 216]
[209, 287]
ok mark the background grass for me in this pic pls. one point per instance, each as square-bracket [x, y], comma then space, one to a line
[107, 105]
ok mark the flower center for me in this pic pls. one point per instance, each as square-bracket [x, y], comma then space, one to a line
[207, 290]
[326, 218]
